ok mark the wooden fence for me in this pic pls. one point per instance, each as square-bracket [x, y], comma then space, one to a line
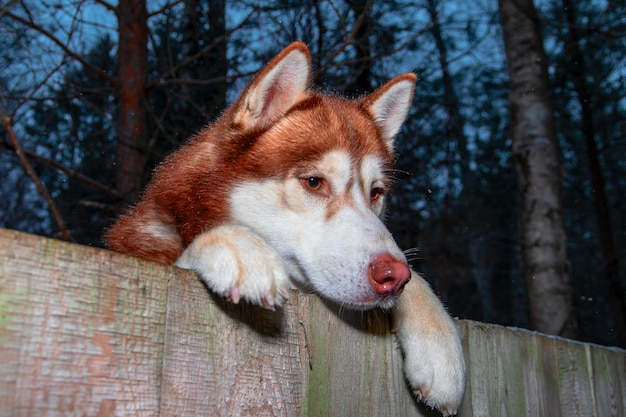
[86, 332]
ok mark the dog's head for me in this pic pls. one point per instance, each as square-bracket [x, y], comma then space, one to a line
[314, 171]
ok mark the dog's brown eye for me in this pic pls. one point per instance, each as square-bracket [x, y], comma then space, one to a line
[376, 193]
[314, 183]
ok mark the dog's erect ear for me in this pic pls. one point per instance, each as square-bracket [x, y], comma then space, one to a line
[390, 104]
[276, 88]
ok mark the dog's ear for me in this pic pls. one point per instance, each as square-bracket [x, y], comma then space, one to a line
[276, 88]
[390, 104]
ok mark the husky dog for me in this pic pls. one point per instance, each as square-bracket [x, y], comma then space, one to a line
[285, 190]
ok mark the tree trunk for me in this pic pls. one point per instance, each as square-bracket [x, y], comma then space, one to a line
[610, 267]
[131, 120]
[539, 170]
[190, 28]
[362, 30]
[454, 124]
[218, 61]
[208, 64]
[456, 145]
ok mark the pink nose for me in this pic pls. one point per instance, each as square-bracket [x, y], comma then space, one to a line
[388, 276]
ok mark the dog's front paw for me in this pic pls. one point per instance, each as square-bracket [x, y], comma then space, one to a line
[435, 369]
[236, 263]
[434, 364]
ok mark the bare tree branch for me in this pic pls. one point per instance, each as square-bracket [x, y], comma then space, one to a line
[31, 96]
[165, 7]
[6, 7]
[90, 182]
[38, 28]
[106, 5]
[7, 122]
[202, 52]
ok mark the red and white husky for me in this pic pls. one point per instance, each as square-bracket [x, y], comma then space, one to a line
[286, 189]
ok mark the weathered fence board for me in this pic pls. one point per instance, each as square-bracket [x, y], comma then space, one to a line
[81, 331]
[515, 372]
[86, 332]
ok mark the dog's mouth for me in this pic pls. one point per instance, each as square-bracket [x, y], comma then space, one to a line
[385, 302]
[356, 302]
[379, 288]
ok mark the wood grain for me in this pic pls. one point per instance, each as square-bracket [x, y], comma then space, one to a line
[87, 332]
[514, 372]
[81, 330]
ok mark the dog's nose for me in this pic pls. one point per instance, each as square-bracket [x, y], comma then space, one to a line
[387, 276]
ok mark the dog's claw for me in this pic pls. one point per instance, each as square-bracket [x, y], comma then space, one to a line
[449, 411]
[260, 279]
[235, 295]
[422, 392]
[268, 302]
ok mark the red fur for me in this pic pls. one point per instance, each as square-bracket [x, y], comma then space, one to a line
[189, 191]
[279, 129]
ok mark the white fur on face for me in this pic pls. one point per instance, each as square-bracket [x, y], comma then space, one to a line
[327, 242]
[371, 174]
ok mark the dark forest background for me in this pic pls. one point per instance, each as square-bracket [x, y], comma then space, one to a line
[71, 72]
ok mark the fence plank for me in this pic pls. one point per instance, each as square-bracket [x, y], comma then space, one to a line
[608, 378]
[515, 372]
[353, 356]
[574, 379]
[80, 330]
[88, 332]
[223, 359]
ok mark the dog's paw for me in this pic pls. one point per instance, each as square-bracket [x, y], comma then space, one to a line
[434, 364]
[238, 264]
[435, 369]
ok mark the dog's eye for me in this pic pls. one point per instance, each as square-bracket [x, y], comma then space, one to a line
[314, 183]
[376, 193]
[317, 185]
